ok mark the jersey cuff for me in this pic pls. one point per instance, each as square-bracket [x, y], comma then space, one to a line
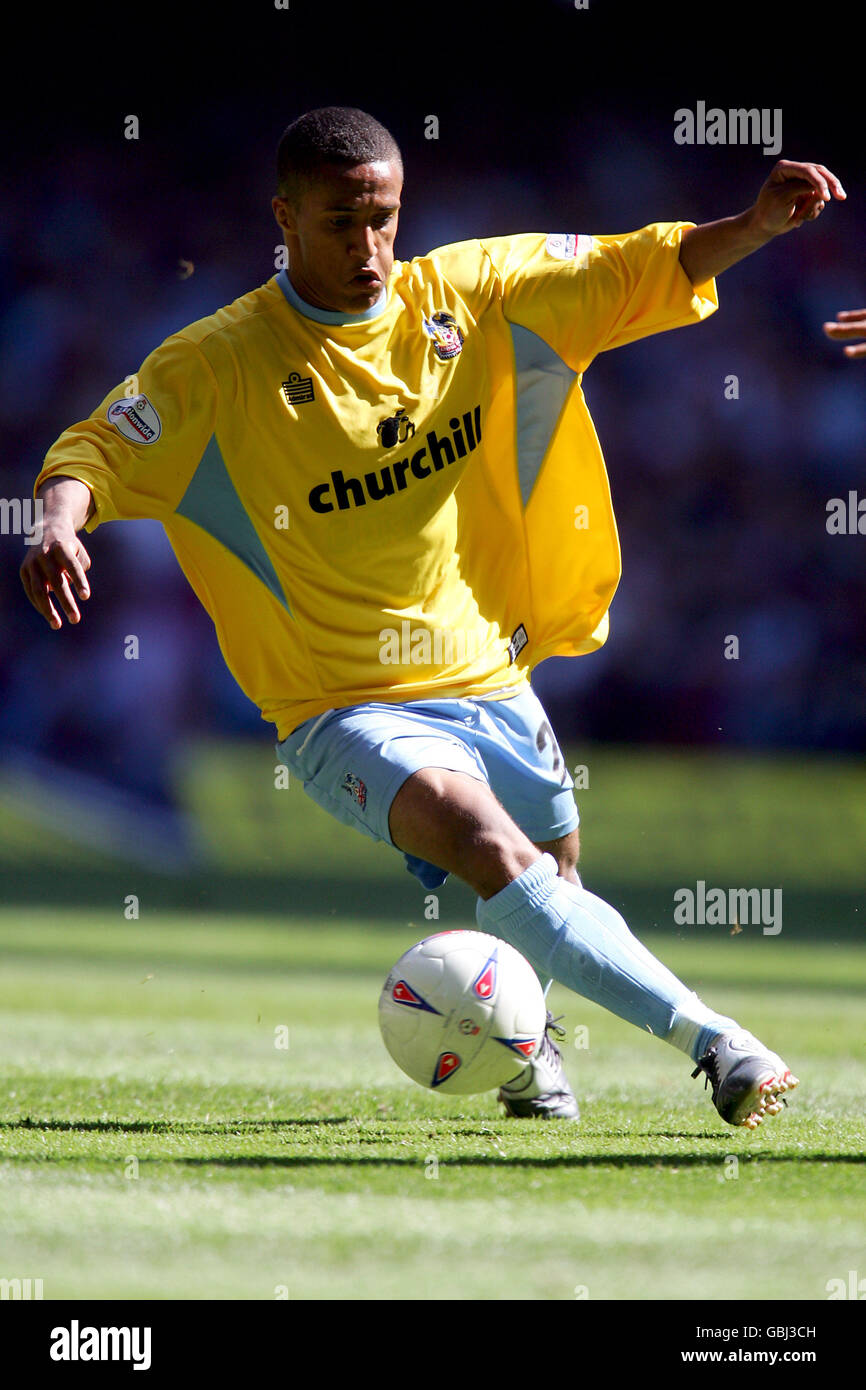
[102, 507]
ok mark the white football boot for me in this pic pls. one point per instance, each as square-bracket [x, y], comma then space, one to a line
[541, 1091]
[749, 1082]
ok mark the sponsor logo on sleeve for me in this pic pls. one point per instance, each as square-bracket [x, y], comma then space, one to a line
[566, 246]
[136, 420]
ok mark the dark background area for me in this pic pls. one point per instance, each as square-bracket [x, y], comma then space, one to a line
[550, 119]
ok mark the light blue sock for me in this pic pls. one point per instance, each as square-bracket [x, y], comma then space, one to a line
[579, 940]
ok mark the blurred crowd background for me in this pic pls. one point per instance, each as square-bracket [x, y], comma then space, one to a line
[721, 503]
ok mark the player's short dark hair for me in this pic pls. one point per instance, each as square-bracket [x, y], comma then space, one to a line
[340, 135]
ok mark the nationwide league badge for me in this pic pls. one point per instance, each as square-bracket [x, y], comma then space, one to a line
[447, 337]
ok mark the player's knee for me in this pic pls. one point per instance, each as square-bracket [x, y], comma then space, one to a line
[454, 820]
[566, 852]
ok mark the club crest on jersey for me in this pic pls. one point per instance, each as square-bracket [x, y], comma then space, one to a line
[484, 986]
[446, 1065]
[136, 420]
[447, 335]
[356, 789]
[403, 993]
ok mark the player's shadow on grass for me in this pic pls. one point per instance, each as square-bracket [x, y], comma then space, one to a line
[584, 1160]
[169, 1126]
[548, 1162]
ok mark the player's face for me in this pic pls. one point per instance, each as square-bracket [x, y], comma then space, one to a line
[341, 237]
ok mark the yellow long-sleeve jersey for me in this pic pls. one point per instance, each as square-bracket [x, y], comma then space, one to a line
[405, 503]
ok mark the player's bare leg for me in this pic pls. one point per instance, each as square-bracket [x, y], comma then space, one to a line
[566, 852]
[454, 820]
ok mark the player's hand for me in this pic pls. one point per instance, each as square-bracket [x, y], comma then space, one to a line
[57, 564]
[794, 194]
[850, 323]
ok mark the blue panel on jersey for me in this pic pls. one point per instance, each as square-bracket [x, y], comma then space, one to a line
[212, 502]
[543, 383]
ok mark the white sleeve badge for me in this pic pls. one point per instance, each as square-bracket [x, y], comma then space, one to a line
[136, 420]
[565, 246]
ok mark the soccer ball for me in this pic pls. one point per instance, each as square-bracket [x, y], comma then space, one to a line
[462, 1012]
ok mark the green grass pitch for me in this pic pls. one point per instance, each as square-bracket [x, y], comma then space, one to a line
[156, 1142]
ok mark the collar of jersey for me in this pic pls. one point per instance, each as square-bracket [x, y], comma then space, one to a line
[329, 315]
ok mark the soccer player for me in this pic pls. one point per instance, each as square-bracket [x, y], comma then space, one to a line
[382, 482]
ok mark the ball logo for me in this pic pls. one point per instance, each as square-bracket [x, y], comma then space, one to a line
[446, 1066]
[403, 993]
[469, 1027]
[485, 984]
[136, 420]
[525, 1047]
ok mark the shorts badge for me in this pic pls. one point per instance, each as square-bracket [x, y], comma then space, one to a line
[356, 789]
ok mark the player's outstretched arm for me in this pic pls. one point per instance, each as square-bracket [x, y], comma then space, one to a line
[850, 323]
[793, 194]
[57, 561]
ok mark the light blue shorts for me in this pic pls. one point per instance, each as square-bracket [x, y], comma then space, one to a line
[353, 761]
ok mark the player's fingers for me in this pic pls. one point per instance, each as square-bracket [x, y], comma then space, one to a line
[791, 187]
[788, 171]
[50, 612]
[36, 587]
[77, 571]
[859, 351]
[840, 331]
[832, 182]
[64, 593]
[797, 198]
[66, 558]
[805, 210]
[24, 576]
[851, 314]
